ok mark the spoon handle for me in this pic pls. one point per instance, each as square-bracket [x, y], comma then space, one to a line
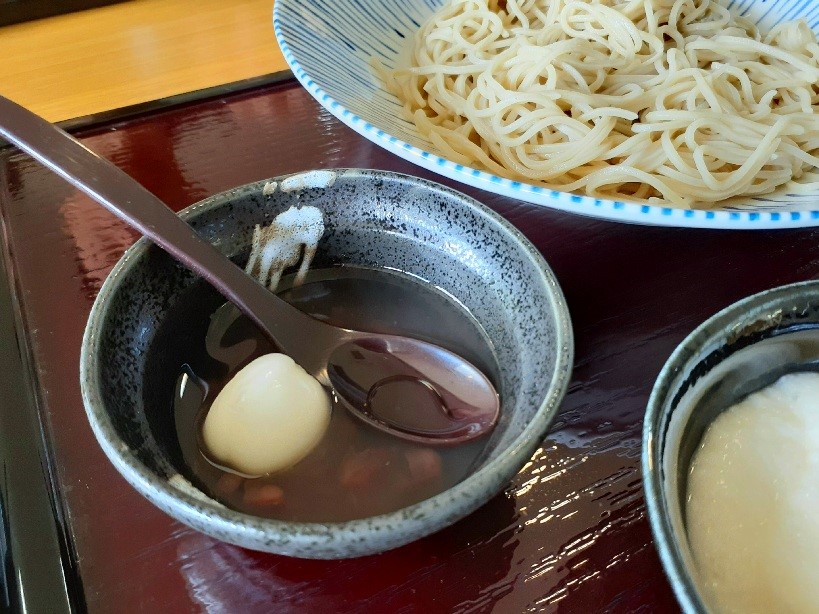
[130, 201]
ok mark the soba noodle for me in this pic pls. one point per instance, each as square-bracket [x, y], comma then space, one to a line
[650, 100]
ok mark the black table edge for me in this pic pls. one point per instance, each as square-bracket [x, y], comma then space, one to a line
[39, 566]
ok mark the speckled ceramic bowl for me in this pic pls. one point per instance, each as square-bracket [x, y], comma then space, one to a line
[372, 218]
[743, 348]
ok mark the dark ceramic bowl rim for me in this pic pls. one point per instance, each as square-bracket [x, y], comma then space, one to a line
[747, 311]
[247, 527]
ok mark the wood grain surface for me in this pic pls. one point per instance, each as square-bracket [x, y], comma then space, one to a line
[110, 57]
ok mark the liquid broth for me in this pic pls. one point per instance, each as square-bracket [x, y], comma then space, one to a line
[355, 471]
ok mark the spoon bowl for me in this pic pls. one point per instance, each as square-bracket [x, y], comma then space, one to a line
[415, 390]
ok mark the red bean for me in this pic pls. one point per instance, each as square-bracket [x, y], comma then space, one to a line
[424, 465]
[363, 469]
[264, 495]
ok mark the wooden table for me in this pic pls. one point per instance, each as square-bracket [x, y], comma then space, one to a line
[134, 52]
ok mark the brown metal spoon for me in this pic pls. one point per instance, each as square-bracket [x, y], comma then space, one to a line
[407, 387]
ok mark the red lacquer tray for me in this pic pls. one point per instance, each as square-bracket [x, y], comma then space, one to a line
[569, 533]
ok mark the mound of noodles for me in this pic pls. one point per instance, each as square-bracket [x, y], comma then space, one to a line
[674, 101]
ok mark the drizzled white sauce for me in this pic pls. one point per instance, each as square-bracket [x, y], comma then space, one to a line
[311, 179]
[280, 245]
[275, 247]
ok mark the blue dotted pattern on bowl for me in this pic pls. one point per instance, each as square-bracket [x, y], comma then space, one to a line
[329, 45]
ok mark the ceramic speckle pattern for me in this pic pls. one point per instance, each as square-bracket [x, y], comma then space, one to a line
[372, 218]
[329, 47]
[673, 429]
